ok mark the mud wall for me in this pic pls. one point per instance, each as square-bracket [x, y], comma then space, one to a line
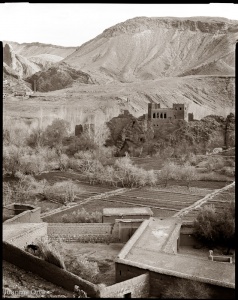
[48, 271]
[137, 287]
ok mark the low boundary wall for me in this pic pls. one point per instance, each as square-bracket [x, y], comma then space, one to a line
[48, 271]
[82, 232]
[159, 282]
[137, 287]
[19, 213]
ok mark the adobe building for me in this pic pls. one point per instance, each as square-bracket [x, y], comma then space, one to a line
[156, 114]
[109, 215]
[154, 250]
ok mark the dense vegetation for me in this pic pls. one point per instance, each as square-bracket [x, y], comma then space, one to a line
[216, 228]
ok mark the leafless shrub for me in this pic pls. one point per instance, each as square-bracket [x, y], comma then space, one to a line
[50, 254]
[82, 216]
[187, 289]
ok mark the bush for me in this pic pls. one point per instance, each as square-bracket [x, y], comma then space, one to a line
[55, 133]
[176, 172]
[82, 267]
[131, 176]
[214, 163]
[187, 289]
[50, 254]
[25, 189]
[80, 143]
[216, 228]
[228, 171]
[82, 216]
[169, 171]
[63, 192]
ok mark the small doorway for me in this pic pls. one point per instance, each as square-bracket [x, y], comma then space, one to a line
[128, 295]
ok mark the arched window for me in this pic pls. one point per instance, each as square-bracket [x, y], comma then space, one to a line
[165, 115]
[161, 116]
[180, 108]
[154, 115]
[157, 115]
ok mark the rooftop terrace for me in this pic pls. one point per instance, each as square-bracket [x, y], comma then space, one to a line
[154, 247]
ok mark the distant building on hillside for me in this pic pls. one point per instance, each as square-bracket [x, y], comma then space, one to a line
[157, 114]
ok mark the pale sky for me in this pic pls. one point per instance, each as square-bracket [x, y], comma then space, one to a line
[75, 24]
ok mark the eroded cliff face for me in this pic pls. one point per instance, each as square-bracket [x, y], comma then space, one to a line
[151, 48]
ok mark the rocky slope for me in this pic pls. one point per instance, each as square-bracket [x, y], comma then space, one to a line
[35, 49]
[57, 77]
[150, 48]
[28, 58]
[18, 64]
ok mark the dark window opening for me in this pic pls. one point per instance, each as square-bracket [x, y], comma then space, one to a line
[120, 273]
[165, 116]
[157, 115]
[128, 295]
[157, 124]
[180, 108]
[154, 115]
[161, 116]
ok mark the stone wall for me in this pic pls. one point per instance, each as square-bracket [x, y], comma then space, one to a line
[82, 232]
[137, 287]
[46, 270]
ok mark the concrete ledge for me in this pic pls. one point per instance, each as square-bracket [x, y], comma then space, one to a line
[174, 273]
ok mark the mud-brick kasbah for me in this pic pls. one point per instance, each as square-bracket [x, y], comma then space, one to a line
[147, 265]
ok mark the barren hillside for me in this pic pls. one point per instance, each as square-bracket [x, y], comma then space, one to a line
[150, 48]
[33, 49]
[28, 58]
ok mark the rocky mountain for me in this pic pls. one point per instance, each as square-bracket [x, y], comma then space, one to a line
[57, 77]
[17, 64]
[28, 58]
[35, 49]
[136, 62]
[150, 48]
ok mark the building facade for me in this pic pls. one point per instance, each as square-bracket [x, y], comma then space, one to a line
[156, 114]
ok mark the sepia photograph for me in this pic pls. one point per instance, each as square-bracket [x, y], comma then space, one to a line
[118, 152]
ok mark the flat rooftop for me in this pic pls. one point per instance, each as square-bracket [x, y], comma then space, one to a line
[115, 211]
[154, 247]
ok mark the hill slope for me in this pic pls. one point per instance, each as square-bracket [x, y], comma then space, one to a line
[28, 58]
[149, 48]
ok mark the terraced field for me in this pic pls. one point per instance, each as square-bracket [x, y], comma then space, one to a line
[219, 201]
[157, 199]
[163, 203]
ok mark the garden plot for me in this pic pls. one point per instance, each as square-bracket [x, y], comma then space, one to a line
[156, 199]
[219, 201]
[98, 205]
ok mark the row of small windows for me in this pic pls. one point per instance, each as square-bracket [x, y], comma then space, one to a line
[160, 115]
